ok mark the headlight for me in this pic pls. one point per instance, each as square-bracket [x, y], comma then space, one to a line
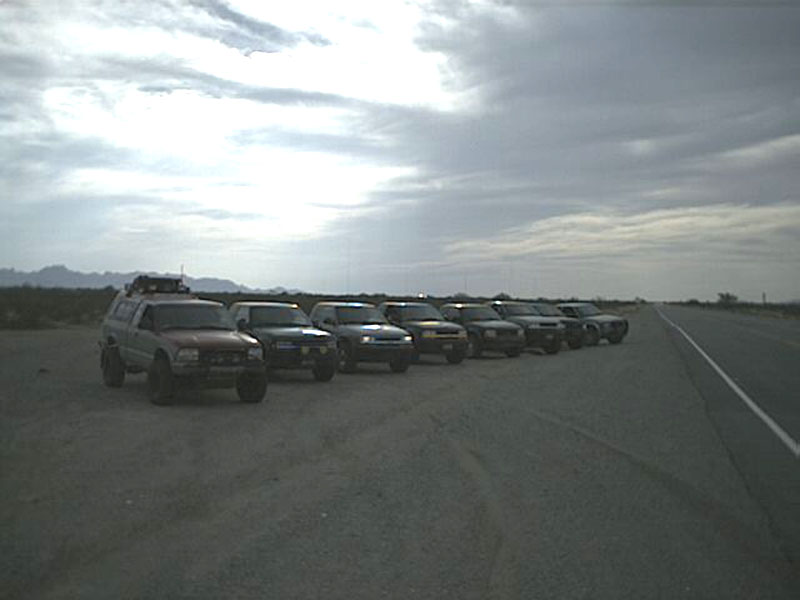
[462, 334]
[490, 333]
[366, 339]
[408, 338]
[188, 355]
[255, 353]
[429, 333]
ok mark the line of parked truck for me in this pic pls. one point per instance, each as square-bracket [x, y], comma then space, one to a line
[158, 327]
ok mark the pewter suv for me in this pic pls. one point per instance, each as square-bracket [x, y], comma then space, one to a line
[157, 327]
[574, 330]
[432, 333]
[540, 332]
[364, 335]
[598, 325]
[289, 338]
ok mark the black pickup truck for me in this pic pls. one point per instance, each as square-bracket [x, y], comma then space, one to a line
[486, 330]
[289, 338]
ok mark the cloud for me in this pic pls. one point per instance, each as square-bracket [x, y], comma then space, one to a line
[249, 34]
[722, 232]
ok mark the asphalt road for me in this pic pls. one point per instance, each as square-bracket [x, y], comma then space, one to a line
[597, 473]
[761, 355]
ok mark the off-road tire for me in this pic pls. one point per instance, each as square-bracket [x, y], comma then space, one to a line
[475, 347]
[112, 367]
[592, 337]
[251, 387]
[160, 382]
[575, 344]
[323, 371]
[455, 357]
[553, 347]
[615, 339]
[347, 360]
[400, 364]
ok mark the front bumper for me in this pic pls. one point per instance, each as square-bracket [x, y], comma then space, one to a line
[383, 351]
[442, 345]
[213, 376]
[503, 343]
[542, 337]
[614, 329]
[285, 355]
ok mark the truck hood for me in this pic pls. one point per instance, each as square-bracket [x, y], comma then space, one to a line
[382, 331]
[215, 339]
[604, 318]
[434, 324]
[296, 333]
[526, 320]
[493, 324]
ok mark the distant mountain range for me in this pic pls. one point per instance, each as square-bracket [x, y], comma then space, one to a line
[59, 276]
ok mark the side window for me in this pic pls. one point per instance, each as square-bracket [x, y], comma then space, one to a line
[146, 322]
[317, 314]
[124, 311]
[241, 313]
[392, 313]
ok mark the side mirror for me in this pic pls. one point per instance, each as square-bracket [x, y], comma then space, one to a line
[241, 324]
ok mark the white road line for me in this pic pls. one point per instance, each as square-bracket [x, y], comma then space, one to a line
[792, 445]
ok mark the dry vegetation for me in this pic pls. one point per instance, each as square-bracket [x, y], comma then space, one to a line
[37, 308]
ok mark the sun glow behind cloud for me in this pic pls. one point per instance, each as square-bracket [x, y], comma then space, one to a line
[185, 143]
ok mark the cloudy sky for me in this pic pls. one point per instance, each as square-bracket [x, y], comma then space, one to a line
[612, 149]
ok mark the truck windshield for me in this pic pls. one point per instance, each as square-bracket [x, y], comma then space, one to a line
[266, 316]
[420, 313]
[587, 310]
[520, 310]
[548, 310]
[479, 313]
[192, 316]
[362, 315]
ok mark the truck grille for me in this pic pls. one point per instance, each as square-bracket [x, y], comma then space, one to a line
[446, 334]
[222, 357]
[506, 333]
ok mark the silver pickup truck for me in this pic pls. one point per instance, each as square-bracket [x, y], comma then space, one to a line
[157, 326]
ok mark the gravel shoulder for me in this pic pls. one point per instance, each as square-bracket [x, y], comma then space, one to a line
[592, 473]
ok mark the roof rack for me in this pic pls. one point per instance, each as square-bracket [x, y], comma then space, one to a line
[145, 284]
